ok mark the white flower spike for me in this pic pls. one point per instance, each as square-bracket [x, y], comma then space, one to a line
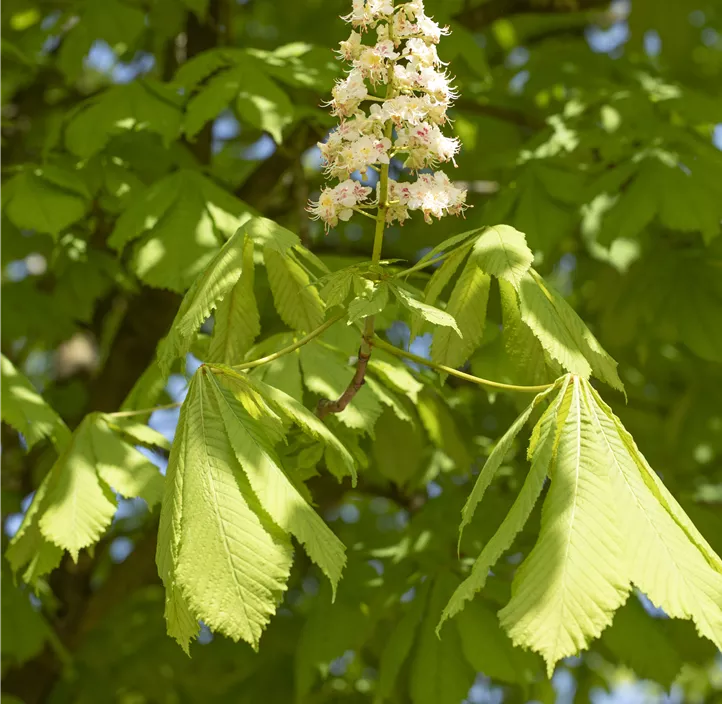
[404, 122]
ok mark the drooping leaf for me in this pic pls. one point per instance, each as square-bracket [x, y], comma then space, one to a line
[226, 563]
[566, 591]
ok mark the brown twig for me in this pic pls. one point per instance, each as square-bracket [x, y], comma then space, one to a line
[325, 406]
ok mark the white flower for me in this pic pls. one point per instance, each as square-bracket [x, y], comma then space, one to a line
[421, 54]
[418, 95]
[435, 195]
[425, 145]
[348, 93]
[373, 61]
[366, 13]
[351, 48]
[336, 203]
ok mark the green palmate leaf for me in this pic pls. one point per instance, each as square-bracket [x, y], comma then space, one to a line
[45, 199]
[467, 306]
[443, 430]
[566, 591]
[275, 491]
[179, 223]
[237, 322]
[398, 448]
[74, 504]
[211, 287]
[296, 299]
[665, 557]
[502, 252]
[399, 645]
[326, 374]
[283, 373]
[436, 285]
[24, 409]
[562, 333]
[495, 459]
[221, 558]
[439, 672]
[544, 444]
[388, 398]
[138, 105]
[310, 424]
[433, 315]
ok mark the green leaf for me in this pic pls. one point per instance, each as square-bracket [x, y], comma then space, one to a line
[275, 491]
[136, 432]
[236, 321]
[527, 362]
[395, 374]
[28, 547]
[436, 285]
[443, 429]
[309, 423]
[371, 299]
[122, 467]
[24, 409]
[665, 556]
[80, 505]
[467, 306]
[440, 673]
[139, 105]
[447, 245]
[433, 315]
[296, 299]
[398, 449]
[262, 103]
[566, 591]
[518, 515]
[221, 558]
[562, 333]
[502, 252]
[214, 283]
[337, 287]
[180, 223]
[45, 199]
[181, 624]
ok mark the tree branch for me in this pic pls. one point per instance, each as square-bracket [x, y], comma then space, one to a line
[359, 379]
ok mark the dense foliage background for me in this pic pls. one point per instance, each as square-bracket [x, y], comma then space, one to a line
[595, 129]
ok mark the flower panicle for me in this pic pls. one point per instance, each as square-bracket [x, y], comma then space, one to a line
[407, 123]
